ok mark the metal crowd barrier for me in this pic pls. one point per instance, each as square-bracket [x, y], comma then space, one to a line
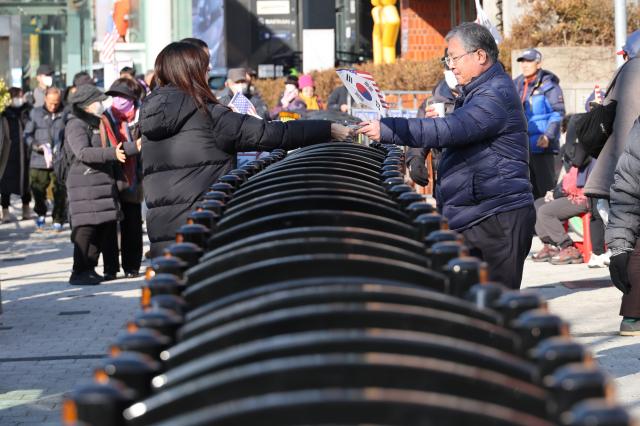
[317, 288]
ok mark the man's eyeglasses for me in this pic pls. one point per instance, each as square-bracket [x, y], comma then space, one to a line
[451, 61]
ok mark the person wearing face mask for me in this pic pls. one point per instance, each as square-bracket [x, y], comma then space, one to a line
[237, 82]
[94, 206]
[446, 92]
[43, 133]
[290, 101]
[119, 125]
[15, 179]
[44, 76]
[543, 103]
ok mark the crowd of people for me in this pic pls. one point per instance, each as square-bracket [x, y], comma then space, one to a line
[89, 150]
[511, 163]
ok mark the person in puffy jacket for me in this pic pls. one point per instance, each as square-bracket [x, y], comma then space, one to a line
[621, 234]
[543, 104]
[189, 139]
[94, 208]
[483, 186]
[43, 133]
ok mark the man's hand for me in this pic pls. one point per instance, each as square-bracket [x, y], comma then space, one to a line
[618, 271]
[548, 197]
[371, 129]
[344, 108]
[339, 132]
[543, 142]
[431, 112]
[120, 155]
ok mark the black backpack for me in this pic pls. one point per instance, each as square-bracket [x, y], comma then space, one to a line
[594, 128]
[61, 161]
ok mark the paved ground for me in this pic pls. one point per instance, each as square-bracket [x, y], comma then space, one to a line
[52, 334]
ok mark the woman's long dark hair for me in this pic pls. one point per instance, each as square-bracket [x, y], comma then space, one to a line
[185, 66]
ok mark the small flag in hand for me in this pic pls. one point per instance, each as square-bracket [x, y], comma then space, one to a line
[240, 103]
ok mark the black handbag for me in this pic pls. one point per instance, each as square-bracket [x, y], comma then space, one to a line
[594, 127]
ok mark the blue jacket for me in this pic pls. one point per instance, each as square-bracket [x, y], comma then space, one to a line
[544, 108]
[484, 168]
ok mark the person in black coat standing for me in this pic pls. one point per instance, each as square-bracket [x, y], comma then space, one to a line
[15, 179]
[91, 185]
[189, 139]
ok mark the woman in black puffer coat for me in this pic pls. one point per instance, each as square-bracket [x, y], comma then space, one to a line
[189, 139]
[91, 189]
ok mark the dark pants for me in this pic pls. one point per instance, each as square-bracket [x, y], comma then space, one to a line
[131, 237]
[6, 200]
[631, 302]
[550, 219]
[542, 172]
[597, 229]
[40, 180]
[91, 240]
[503, 241]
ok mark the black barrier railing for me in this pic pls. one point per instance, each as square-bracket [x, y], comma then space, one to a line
[317, 288]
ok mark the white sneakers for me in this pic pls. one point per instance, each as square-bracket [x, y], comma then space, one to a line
[599, 261]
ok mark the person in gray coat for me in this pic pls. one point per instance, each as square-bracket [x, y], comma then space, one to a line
[91, 185]
[43, 133]
[622, 231]
[623, 89]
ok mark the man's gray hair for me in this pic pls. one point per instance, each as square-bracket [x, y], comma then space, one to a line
[473, 37]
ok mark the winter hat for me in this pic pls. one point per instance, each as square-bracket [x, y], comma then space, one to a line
[305, 81]
[632, 46]
[86, 95]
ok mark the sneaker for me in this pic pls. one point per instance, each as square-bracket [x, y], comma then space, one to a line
[566, 256]
[630, 327]
[545, 255]
[40, 223]
[57, 227]
[597, 261]
[26, 212]
[85, 278]
[607, 257]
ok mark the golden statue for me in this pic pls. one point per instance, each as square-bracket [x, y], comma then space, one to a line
[390, 24]
[377, 31]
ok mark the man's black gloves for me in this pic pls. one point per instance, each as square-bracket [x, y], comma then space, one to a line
[618, 271]
[418, 171]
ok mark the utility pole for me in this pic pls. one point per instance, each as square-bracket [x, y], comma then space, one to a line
[621, 27]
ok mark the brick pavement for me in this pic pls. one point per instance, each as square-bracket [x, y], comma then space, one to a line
[52, 335]
[34, 269]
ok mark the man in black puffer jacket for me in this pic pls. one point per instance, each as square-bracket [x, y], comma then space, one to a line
[622, 232]
[185, 149]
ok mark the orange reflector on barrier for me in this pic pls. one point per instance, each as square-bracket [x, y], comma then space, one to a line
[149, 273]
[145, 299]
[69, 413]
[100, 376]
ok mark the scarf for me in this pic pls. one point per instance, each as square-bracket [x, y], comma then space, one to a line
[117, 130]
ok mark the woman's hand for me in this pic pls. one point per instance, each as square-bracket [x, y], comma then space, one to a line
[120, 155]
[339, 132]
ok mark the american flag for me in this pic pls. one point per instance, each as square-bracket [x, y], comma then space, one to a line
[108, 52]
[240, 103]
